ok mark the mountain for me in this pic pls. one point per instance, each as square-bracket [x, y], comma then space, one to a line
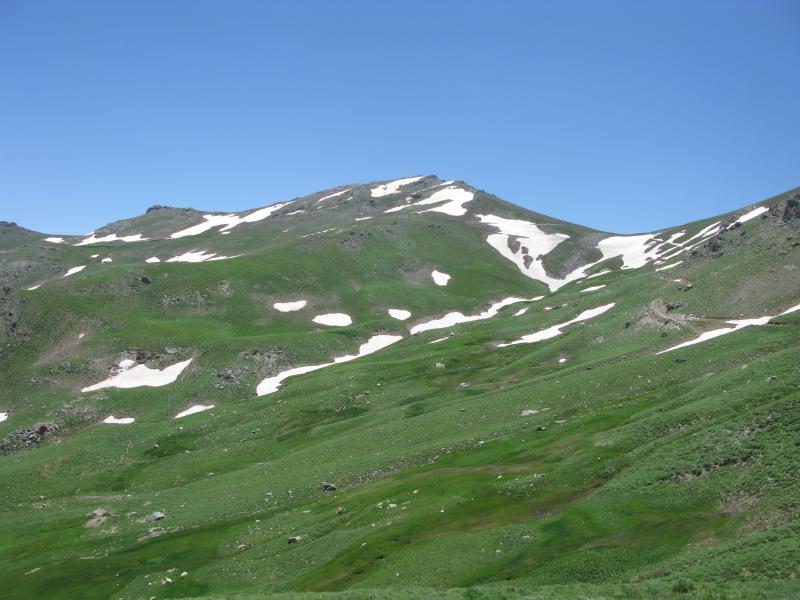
[404, 389]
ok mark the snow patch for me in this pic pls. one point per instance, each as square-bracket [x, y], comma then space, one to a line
[34, 287]
[112, 420]
[737, 325]
[602, 272]
[453, 198]
[3, 416]
[153, 259]
[399, 314]
[111, 237]
[531, 243]
[334, 195]
[521, 311]
[456, 318]
[593, 288]
[752, 214]
[131, 376]
[670, 266]
[196, 256]
[375, 343]
[289, 306]
[106, 260]
[193, 410]
[74, 270]
[392, 187]
[551, 332]
[440, 278]
[54, 240]
[228, 222]
[333, 319]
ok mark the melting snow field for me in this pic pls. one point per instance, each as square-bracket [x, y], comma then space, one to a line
[3, 416]
[34, 287]
[54, 240]
[530, 242]
[440, 278]
[132, 376]
[665, 267]
[112, 420]
[593, 288]
[196, 256]
[399, 314]
[375, 343]
[153, 259]
[193, 410]
[737, 325]
[228, 222]
[333, 319]
[111, 237]
[392, 187]
[74, 270]
[334, 195]
[456, 318]
[551, 332]
[752, 214]
[289, 306]
[453, 198]
[106, 260]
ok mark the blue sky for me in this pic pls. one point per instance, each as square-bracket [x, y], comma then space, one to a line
[624, 116]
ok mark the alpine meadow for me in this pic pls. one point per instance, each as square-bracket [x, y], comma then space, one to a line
[406, 389]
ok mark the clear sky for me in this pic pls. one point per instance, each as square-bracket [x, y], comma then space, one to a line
[623, 115]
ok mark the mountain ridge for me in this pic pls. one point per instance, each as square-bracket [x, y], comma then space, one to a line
[420, 393]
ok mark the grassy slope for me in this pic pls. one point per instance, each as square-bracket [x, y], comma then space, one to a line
[649, 470]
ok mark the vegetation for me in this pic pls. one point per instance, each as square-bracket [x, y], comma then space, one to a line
[633, 474]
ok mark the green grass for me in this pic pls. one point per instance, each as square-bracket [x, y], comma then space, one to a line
[639, 477]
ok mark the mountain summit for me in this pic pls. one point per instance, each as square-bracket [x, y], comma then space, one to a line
[401, 389]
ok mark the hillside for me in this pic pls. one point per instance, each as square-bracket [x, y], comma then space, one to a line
[402, 389]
